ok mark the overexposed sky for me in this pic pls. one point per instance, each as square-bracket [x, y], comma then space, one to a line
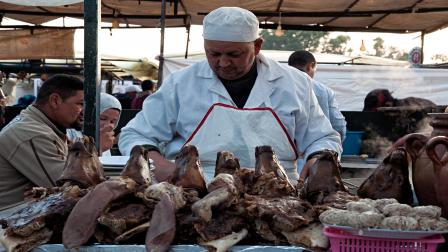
[145, 43]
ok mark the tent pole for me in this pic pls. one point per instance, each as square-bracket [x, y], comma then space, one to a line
[188, 40]
[423, 45]
[162, 43]
[92, 21]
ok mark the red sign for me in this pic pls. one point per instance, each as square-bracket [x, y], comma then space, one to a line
[415, 56]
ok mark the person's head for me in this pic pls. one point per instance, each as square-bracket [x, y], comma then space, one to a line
[378, 98]
[21, 75]
[132, 90]
[231, 41]
[61, 98]
[110, 110]
[148, 85]
[304, 61]
[26, 100]
[44, 76]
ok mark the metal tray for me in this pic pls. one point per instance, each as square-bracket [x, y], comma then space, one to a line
[174, 248]
[387, 233]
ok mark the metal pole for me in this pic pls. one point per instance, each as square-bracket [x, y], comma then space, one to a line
[423, 46]
[92, 20]
[188, 40]
[162, 43]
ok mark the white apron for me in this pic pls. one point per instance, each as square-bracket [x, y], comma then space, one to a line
[226, 128]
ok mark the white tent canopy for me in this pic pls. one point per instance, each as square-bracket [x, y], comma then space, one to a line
[329, 15]
[351, 83]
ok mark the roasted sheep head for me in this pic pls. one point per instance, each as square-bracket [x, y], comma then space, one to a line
[324, 178]
[82, 221]
[188, 173]
[266, 161]
[137, 167]
[226, 162]
[83, 166]
[270, 177]
[390, 179]
[39, 221]
[222, 194]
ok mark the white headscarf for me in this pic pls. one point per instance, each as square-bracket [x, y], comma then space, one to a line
[108, 101]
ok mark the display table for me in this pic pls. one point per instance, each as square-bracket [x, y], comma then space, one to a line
[174, 248]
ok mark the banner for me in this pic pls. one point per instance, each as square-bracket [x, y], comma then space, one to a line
[37, 44]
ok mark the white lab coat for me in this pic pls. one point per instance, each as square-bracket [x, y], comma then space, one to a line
[171, 114]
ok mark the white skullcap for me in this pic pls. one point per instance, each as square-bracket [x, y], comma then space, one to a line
[231, 24]
[108, 101]
[133, 88]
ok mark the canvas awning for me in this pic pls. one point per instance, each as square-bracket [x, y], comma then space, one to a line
[39, 44]
[330, 15]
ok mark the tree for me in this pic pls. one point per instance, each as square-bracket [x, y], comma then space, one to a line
[336, 45]
[292, 40]
[440, 58]
[396, 54]
[379, 47]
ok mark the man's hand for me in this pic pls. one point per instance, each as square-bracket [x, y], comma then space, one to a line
[164, 168]
[107, 137]
[306, 168]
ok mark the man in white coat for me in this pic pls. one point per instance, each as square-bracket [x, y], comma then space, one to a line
[235, 100]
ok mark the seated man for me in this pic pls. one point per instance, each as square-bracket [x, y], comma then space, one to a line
[36, 140]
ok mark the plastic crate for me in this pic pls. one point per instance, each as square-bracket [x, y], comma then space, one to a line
[342, 241]
[352, 143]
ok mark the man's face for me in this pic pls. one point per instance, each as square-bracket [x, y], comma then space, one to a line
[70, 111]
[231, 60]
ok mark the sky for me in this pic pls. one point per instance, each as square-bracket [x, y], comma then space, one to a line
[145, 43]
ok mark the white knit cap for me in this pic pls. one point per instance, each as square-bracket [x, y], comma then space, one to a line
[133, 88]
[231, 24]
[108, 101]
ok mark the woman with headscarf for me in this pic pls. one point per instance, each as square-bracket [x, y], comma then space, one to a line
[110, 110]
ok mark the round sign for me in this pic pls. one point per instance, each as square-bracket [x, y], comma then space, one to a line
[415, 56]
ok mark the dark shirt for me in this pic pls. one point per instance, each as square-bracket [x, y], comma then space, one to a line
[239, 90]
[137, 102]
[125, 100]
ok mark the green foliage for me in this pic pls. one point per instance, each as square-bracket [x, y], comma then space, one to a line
[293, 40]
[439, 58]
[396, 54]
[379, 47]
[336, 45]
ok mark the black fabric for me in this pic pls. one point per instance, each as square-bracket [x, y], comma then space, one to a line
[239, 90]
[150, 147]
[317, 153]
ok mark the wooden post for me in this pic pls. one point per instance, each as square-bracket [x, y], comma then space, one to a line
[162, 43]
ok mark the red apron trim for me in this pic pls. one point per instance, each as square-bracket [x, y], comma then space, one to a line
[291, 142]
